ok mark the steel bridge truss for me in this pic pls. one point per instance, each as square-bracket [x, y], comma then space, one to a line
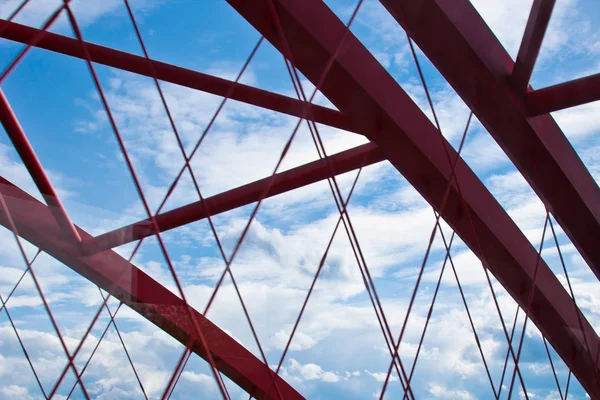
[315, 42]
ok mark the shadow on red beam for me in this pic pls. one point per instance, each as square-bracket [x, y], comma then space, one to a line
[174, 74]
[306, 174]
[564, 95]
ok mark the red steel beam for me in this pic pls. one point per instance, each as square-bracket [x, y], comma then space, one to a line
[363, 90]
[294, 178]
[539, 17]
[139, 291]
[34, 166]
[173, 74]
[564, 95]
[465, 51]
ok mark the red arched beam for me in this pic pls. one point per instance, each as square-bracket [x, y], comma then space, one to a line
[35, 223]
[465, 51]
[370, 98]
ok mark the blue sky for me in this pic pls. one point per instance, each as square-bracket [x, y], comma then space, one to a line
[338, 351]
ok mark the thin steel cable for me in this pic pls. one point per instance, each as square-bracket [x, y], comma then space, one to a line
[576, 308]
[17, 10]
[25, 352]
[170, 387]
[429, 314]
[115, 284]
[230, 91]
[552, 366]
[336, 192]
[437, 123]
[15, 232]
[96, 80]
[283, 154]
[468, 213]
[38, 36]
[19, 280]
[430, 311]
[427, 251]
[468, 217]
[568, 383]
[175, 378]
[197, 187]
[464, 300]
[94, 351]
[429, 100]
[504, 368]
[314, 281]
[114, 324]
[110, 292]
[529, 302]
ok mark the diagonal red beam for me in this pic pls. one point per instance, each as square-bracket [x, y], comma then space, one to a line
[139, 291]
[564, 95]
[539, 17]
[172, 73]
[465, 51]
[294, 178]
[361, 89]
[36, 170]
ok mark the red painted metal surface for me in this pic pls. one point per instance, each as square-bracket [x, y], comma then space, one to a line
[139, 291]
[564, 95]
[362, 90]
[294, 178]
[478, 70]
[35, 168]
[539, 17]
[319, 45]
[172, 73]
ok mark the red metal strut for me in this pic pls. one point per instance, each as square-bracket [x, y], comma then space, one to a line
[362, 90]
[111, 272]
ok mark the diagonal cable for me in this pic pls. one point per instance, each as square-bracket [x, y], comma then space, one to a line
[446, 257]
[22, 345]
[336, 192]
[505, 367]
[94, 351]
[38, 36]
[468, 218]
[41, 293]
[529, 303]
[95, 78]
[197, 187]
[576, 308]
[20, 279]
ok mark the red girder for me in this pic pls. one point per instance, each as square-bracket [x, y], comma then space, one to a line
[564, 95]
[283, 182]
[370, 98]
[139, 291]
[465, 51]
[541, 10]
[36, 170]
[173, 74]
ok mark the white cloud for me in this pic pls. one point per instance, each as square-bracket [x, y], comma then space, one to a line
[441, 392]
[312, 371]
[37, 12]
[380, 376]
[579, 122]
[197, 378]
[15, 391]
[301, 340]
[284, 246]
